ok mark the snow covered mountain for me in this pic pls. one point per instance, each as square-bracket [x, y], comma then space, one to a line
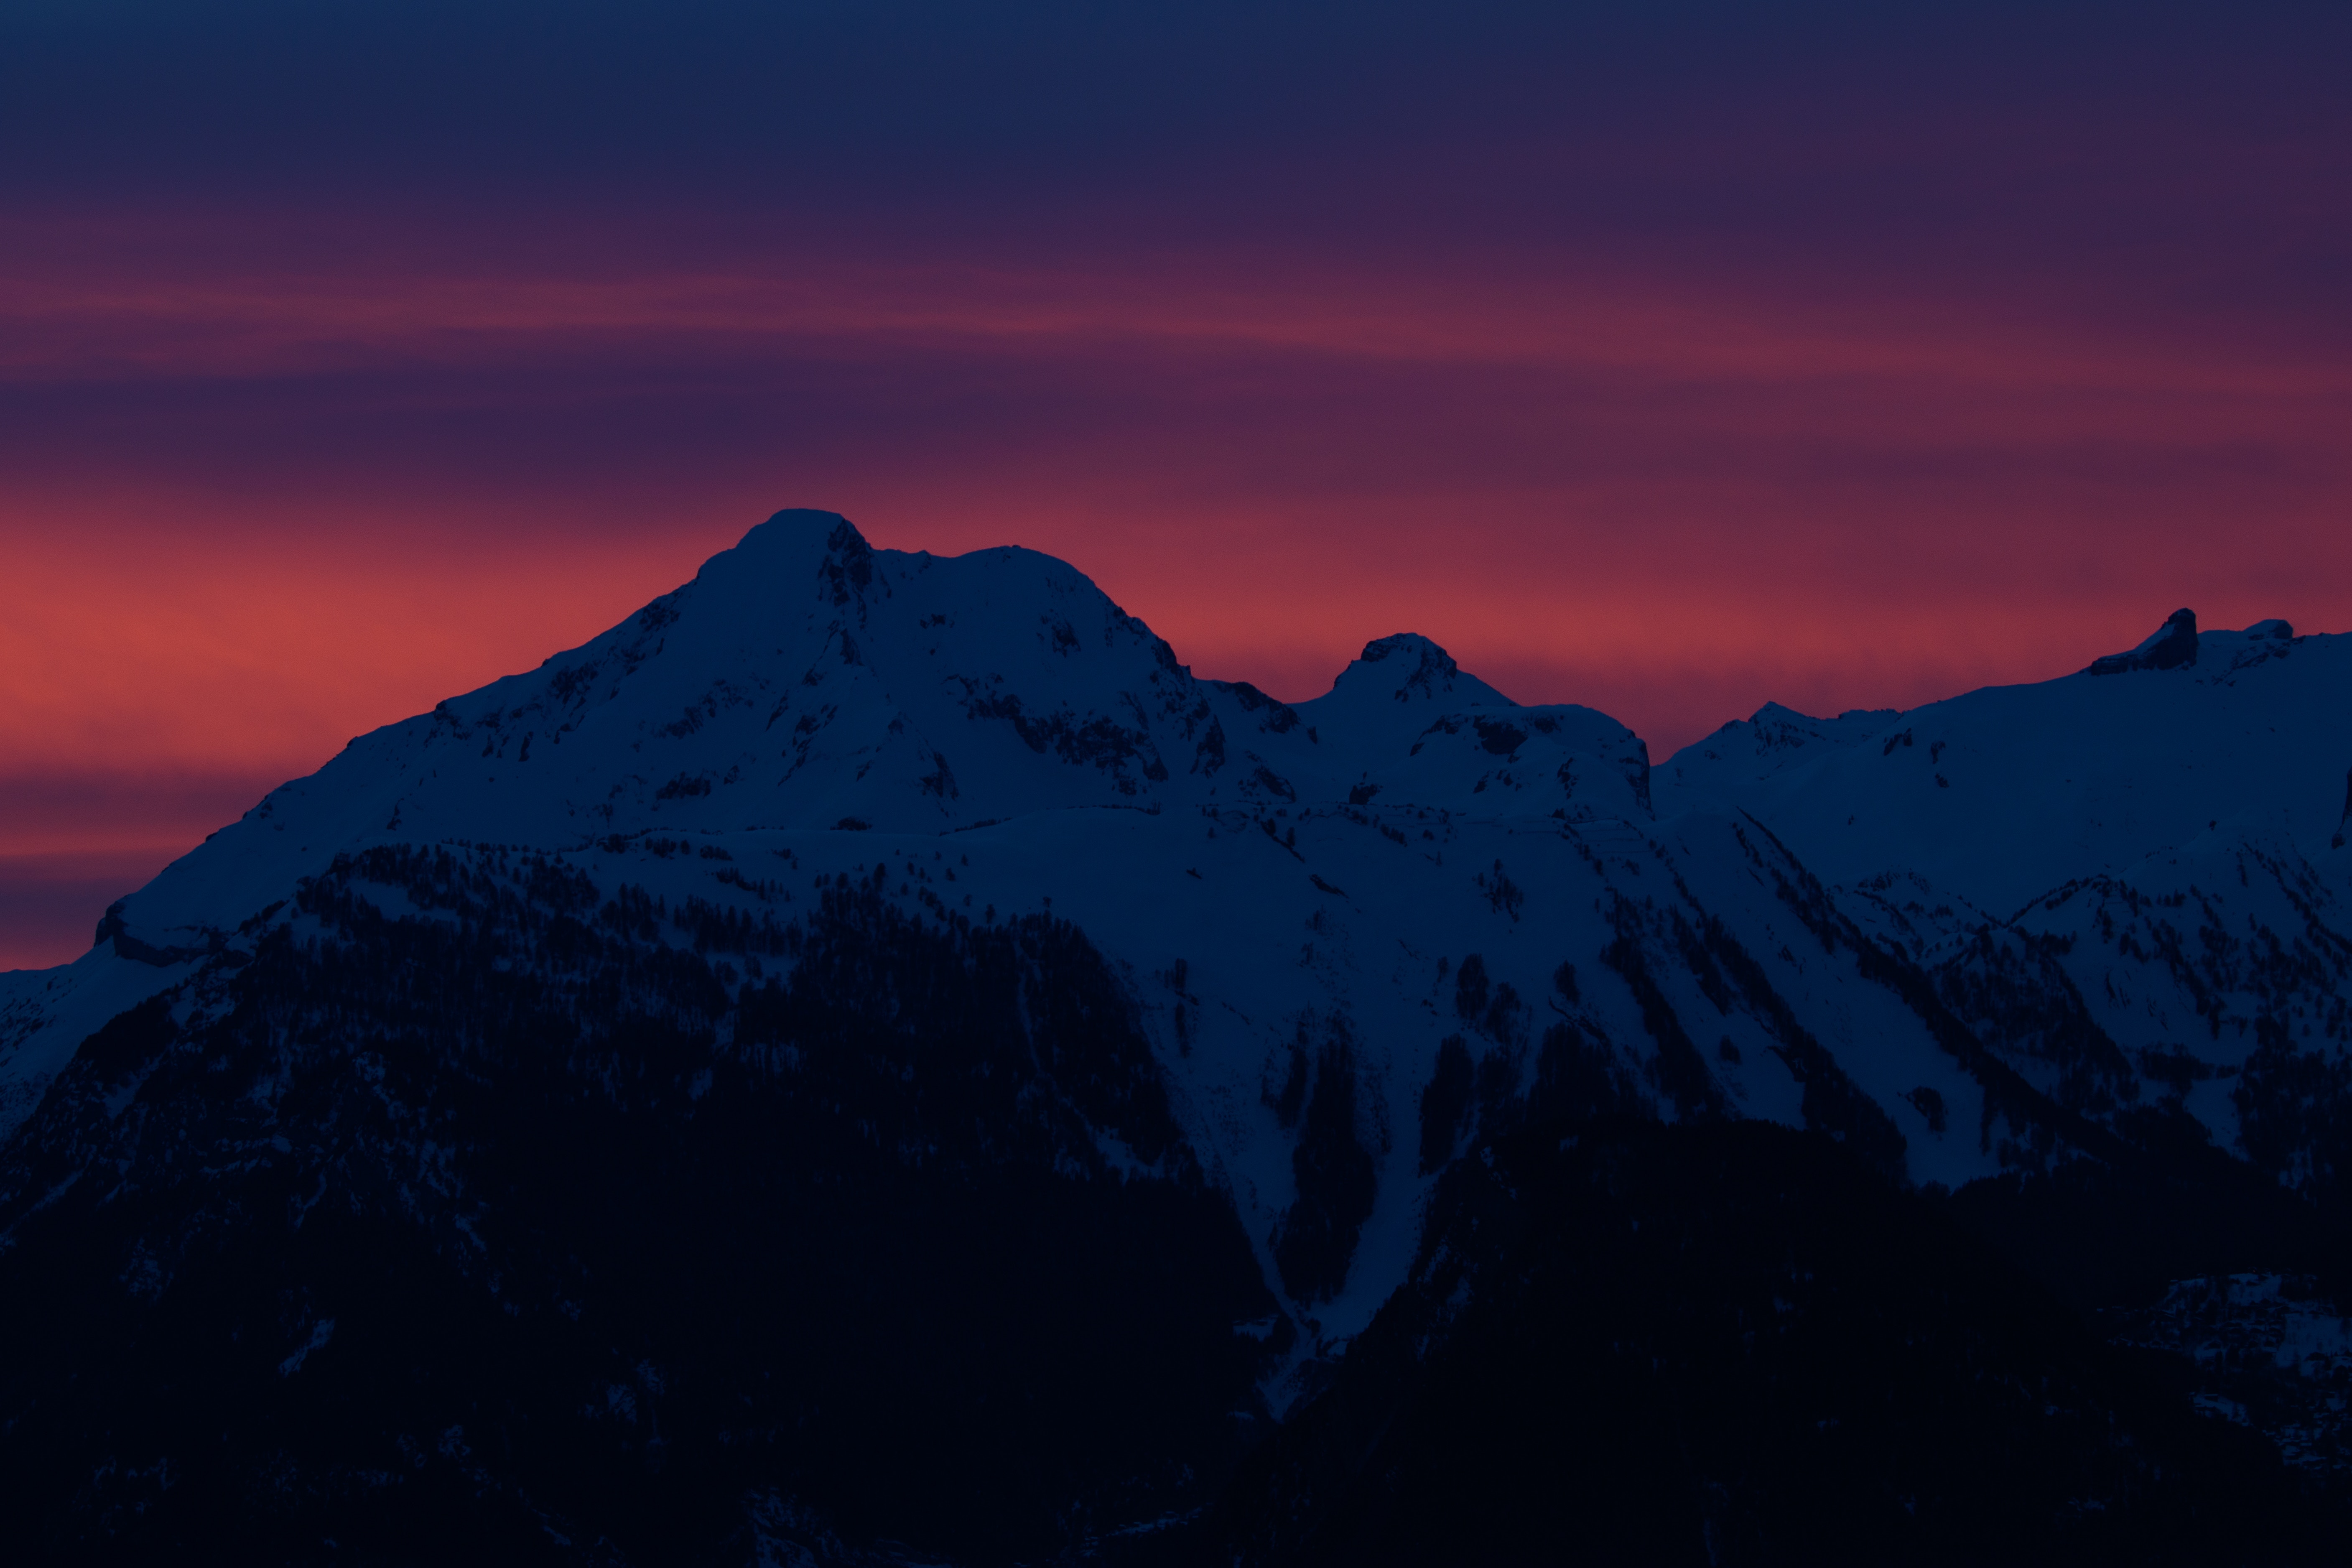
[844, 895]
[2005, 793]
[2131, 882]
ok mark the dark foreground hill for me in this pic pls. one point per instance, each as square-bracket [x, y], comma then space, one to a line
[1729, 1342]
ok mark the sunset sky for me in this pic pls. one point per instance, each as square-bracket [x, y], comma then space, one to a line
[1666, 357]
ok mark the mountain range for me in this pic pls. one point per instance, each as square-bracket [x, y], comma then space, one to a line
[871, 1060]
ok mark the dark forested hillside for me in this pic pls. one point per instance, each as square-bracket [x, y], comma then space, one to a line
[494, 1231]
[1625, 1342]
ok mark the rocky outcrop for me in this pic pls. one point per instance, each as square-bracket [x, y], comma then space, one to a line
[2172, 645]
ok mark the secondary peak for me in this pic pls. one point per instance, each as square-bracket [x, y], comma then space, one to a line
[2170, 646]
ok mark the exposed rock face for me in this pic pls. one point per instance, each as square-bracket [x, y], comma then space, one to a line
[1419, 667]
[2169, 646]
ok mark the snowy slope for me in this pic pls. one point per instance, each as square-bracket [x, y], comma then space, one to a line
[1414, 728]
[1735, 762]
[801, 680]
[1265, 949]
[2132, 883]
[45, 1013]
[864, 920]
[1362, 933]
[2003, 793]
[1315, 910]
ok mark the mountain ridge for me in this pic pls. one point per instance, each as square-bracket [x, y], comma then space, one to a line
[911, 853]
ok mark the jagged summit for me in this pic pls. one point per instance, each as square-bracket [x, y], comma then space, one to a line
[1419, 667]
[796, 552]
[1395, 687]
[2176, 645]
[1404, 671]
[796, 537]
[1416, 726]
[2169, 646]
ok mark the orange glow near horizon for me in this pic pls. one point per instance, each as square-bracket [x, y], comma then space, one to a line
[250, 510]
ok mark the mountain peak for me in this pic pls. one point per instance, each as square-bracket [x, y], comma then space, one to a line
[799, 528]
[798, 540]
[1396, 688]
[1412, 643]
[1407, 667]
[1425, 730]
[2170, 646]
